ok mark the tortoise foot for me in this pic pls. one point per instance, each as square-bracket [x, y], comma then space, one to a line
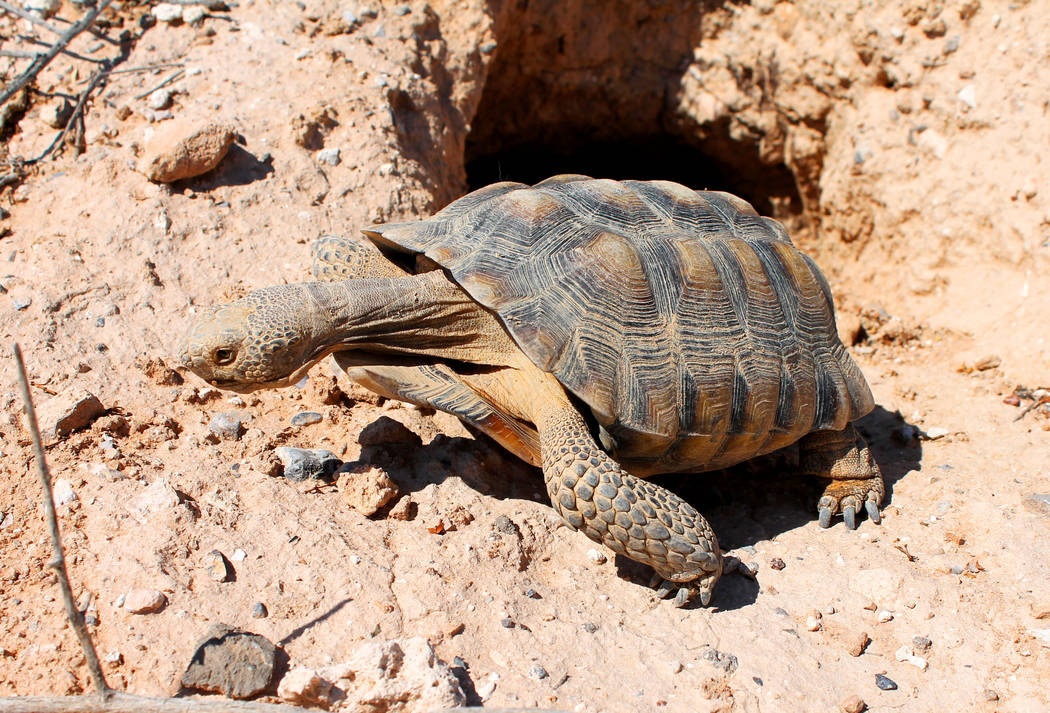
[848, 497]
[665, 588]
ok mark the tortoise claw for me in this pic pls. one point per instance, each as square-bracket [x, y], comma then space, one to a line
[873, 511]
[849, 515]
[665, 589]
[825, 517]
[681, 598]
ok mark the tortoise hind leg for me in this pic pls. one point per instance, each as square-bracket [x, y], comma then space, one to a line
[845, 458]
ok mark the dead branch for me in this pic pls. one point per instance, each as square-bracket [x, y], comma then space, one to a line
[37, 20]
[76, 118]
[108, 700]
[163, 84]
[128, 703]
[76, 619]
[35, 68]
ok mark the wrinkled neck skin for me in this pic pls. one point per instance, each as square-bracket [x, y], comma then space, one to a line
[418, 315]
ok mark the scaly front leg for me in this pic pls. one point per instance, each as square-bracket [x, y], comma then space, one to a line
[630, 516]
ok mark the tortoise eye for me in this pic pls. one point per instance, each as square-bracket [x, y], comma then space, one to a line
[224, 356]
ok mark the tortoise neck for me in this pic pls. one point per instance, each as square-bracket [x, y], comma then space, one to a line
[422, 315]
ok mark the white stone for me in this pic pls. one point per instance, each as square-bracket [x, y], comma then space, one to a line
[329, 156]
[160, 99]
[45, 8]
[167, 12]
[812, 623]
[968, 96]
[192, 14]
[144, 601]
[597, 556]
[303, 687]
[62, 490]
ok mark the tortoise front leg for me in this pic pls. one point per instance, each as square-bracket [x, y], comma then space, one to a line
[336, 258]
[630, 516]
[845, 458]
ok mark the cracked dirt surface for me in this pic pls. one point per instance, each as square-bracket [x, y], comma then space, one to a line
[903, 144]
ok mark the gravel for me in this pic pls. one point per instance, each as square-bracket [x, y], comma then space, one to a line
[538, 672]
[885, 683]
[227, 425]
[306, 418]
[302, 464]
[259, 611]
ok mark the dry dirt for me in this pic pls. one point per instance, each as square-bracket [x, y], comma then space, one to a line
[904, 144]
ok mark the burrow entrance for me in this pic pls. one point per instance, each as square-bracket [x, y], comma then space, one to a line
[577, 87]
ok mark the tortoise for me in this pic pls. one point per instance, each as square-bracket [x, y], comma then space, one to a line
[606, 331]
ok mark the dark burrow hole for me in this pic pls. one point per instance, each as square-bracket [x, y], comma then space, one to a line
[771, 189]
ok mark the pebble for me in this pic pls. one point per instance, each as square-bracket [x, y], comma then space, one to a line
[160, 99]
[239, 555]
[44, 8]
[952, 44]
[968, 96]
[68, 411]
[62, 492]
[597, 556]
[853, 704]
[990, 695]
[158, 497]
[114, 658]
[532, 593]
[719, 659]
[183, 149]
[921, 643]
[217, 566]
[935, 432]
[885, 683]
[144, 601]
[167, 12]
[884, 616]
[306, 418]
[227, 425]
[904, 653]
[192, 14]
[1038, 503]
[538, 672]
[329, 156]
[259, 611]
[812, 623]
[367, 489]
[777, 564]
[507, 623]
[302, 464]
[590, 627]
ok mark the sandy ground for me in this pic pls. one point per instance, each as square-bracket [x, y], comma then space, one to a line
[912, 134]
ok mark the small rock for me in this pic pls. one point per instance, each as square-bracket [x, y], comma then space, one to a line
[306, 418]
[235, 663]
[590, 627]
[885, 683]
[719, 659]
[884, 616]
[505, 525]
[218, 567]
[968, 96]
[366, 489]
[62, 492]
[44, 8]
[184, 150]
[66, 412]
[777, 564]
[227, 425]
[167, 12]
[404, 509]
[156, 498]
[856, 643]
[921, 643]
[160, 99]
[259, 611]
[533, 594]
[952, 45]
[853, 704]
[301, 464]
[113, 658]
[239, 555]
[990, 695]
[144, 601]
[1038, 503]
[329, 156]
[192, 14]
[538, 672]
[597, 556]
[303, 687]
[812, 623]
[935, 432]
[507, 623]
[57, 113]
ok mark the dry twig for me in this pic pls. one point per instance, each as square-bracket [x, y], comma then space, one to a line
[108, 700]
[44, 59]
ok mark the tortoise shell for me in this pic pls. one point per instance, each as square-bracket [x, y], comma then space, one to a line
[691, 327]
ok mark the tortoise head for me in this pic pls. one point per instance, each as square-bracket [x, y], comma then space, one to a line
[260, 341]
